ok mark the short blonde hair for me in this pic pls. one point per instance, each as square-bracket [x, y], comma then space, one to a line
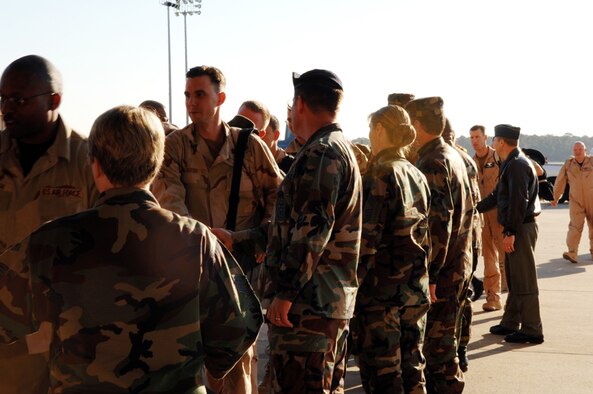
[396, 122]
[128, 143]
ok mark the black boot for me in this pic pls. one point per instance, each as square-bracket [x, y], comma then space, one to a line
[478, 286]
[463, 360]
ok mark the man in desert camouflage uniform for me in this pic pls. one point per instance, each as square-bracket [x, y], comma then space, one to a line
[314, 246]
[118, 311]
[578, 173]
[467, 312]
[256, 112]
[270, 136]
[488, 163]
[450, 224]
[393, 297]
[44, 174]
[196, 178]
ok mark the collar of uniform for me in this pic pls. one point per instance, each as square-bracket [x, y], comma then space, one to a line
[62, 143]
[489, 152]
[388, 154]
[60, 147]
[125, 194]
[429, 146]
[321, 132]
[228, 148]
[515, 153]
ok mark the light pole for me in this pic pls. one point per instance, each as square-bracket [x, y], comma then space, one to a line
[169, 4]
[182, 7]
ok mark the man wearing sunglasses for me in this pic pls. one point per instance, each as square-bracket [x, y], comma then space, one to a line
[44, 174]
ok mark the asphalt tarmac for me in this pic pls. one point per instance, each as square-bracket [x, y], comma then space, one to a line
[564, 362]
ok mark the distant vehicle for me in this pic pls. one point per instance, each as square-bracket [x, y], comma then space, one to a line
[288, 138]
[546, 189]
[553, 169]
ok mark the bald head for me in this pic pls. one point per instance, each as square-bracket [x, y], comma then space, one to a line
[579, 150]
[157, 108]
[40, 70]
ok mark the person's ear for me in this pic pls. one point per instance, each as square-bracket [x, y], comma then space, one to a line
[55, 100]
[276, 135]
[221, 98]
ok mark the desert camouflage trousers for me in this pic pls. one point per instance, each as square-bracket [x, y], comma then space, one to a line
[310, 357]
[387, 344]
[579, 213]
[493, 254]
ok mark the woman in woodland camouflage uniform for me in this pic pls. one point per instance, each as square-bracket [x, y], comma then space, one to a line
[393, 297]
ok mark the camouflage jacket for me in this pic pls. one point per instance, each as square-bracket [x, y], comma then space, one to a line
[315, 237]
[60, 183]
[474, 187]
[195, 183]
[450, 218]
[131, 297]
[393, 268]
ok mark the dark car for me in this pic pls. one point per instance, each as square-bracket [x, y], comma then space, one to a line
[546, 183]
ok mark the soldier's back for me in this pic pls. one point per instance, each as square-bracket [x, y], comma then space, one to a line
[133, 293]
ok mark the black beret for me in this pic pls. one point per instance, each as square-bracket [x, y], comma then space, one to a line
[535, 155]
[241, 122]
[318, 77]
[507, 131]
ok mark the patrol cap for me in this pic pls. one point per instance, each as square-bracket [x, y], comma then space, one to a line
[317, 77]
[400, 99]
[425, 106]
[507, 131]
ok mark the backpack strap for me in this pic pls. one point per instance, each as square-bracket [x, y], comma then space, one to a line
[240, 148]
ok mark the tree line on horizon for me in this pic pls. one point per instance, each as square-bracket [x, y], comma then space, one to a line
[554, 148]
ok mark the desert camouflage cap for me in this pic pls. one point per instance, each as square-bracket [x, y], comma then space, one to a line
[425, 106]
[400, 99]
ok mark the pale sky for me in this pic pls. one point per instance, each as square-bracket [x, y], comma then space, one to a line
[526, 63]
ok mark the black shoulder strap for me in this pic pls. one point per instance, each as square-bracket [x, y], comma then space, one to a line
[240, 148]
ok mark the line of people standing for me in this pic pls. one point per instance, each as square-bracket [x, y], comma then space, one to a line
[404, 233]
